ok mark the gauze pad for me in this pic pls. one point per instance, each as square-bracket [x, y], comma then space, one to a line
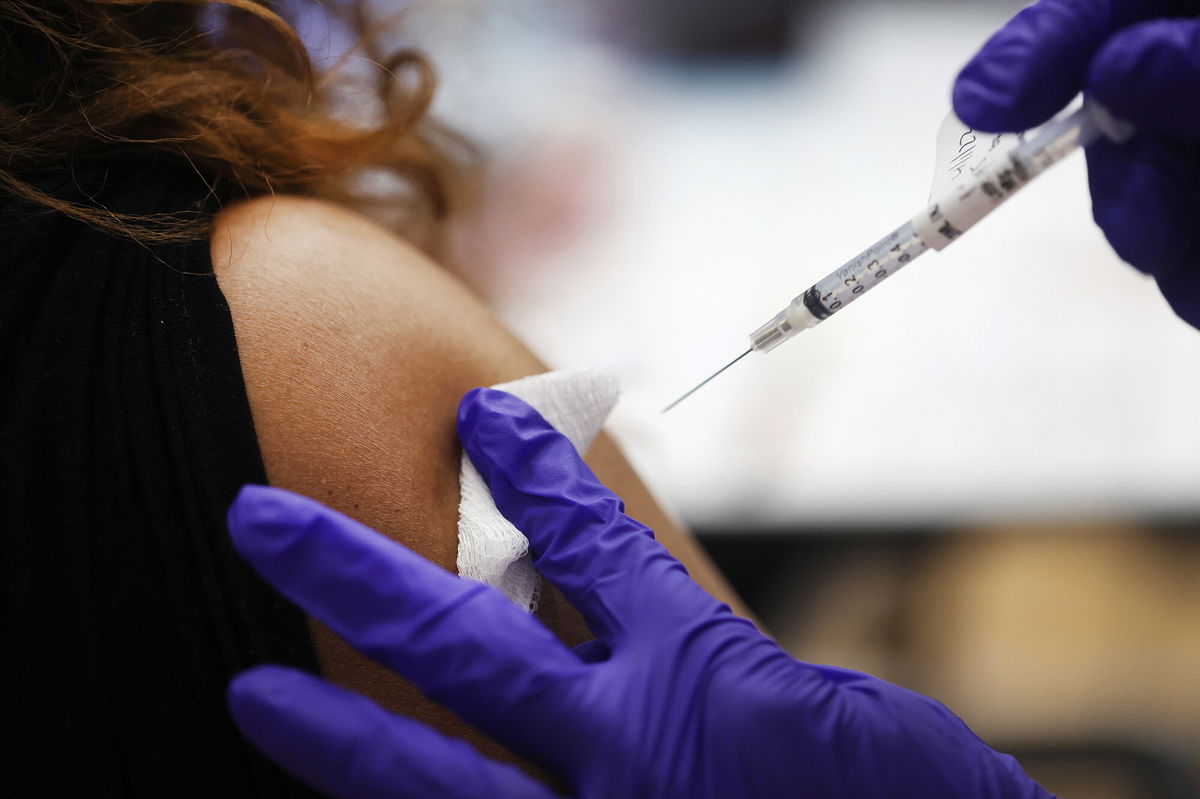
[490, 549]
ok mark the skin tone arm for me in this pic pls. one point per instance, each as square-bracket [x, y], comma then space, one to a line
[355, 350]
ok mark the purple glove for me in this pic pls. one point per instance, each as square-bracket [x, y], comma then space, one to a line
[676, 698]
[1140, 59]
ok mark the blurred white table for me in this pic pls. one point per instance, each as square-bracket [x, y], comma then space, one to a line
[1022, 373]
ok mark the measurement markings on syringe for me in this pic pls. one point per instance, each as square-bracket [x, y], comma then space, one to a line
[861, 273]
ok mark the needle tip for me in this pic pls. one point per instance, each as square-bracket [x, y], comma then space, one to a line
[707, 381]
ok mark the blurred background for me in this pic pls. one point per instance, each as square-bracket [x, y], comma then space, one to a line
[980, 482]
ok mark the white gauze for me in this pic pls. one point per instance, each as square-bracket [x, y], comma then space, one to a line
[490, 549]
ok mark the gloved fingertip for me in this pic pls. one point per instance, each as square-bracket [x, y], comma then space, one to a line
[984, 93]
[474, 405]
[489, 416]
[243, 688]
[469, 399]
[261, 512]
[254, 697]
[977, 106]
[249, 495]
[304, 724]
[244, 508]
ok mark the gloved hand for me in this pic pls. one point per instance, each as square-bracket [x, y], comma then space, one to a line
[1140, 59]
[677, 697]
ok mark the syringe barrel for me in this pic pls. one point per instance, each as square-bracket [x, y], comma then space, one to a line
[840, 288]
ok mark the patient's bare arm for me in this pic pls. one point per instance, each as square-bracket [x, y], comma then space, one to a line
[355, 350]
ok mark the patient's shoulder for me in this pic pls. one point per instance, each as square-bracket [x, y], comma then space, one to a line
[330, 246]
[355, 349]
[309, 268]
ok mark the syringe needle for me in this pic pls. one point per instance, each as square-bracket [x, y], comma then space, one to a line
[706, 382]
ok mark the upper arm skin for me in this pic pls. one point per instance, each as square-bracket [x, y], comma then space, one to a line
[355, 351]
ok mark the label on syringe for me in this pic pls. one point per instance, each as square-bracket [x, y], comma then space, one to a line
[974, 173]
[962, 152]
[977, 172]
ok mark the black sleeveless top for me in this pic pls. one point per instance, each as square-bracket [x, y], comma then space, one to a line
[125, 433]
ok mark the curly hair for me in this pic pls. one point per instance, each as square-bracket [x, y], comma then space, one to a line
[228, 85]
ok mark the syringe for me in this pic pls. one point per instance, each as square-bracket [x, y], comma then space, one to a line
[944, 220]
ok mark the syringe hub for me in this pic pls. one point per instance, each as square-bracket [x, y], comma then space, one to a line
[772, 334]
[791, 321]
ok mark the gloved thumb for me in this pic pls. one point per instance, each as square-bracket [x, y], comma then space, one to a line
[1149, 74]
[1146, 193]
[1146, 199]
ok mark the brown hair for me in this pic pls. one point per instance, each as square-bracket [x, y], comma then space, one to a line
[228, 85]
